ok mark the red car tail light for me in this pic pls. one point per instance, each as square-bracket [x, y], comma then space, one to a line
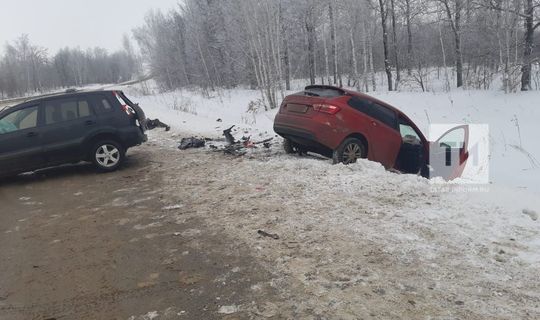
[326, 108]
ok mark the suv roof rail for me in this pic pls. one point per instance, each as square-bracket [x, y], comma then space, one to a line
[71, 90]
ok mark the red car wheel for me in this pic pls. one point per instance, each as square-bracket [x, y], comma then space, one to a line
[350, 151]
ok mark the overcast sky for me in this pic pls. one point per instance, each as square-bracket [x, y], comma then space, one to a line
[55, 24]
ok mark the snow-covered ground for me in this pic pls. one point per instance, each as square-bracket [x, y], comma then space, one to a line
[512, 119]
[478, 249]
[357, 240]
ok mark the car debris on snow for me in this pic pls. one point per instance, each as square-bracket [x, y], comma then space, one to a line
[239, 148]
[228, 135]
[192, 142]
[229, 145]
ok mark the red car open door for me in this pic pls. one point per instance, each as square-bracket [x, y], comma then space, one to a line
[448, 155]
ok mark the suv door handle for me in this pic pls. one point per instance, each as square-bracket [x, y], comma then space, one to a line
[31, 134]
[89, 122]
[374, 123]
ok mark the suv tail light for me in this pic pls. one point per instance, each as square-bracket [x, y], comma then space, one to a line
[326, 108]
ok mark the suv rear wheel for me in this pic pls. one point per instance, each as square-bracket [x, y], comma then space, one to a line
[350, 151]
[108, 155]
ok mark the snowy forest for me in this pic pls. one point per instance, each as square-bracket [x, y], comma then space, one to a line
[27, 69]
[266, 44]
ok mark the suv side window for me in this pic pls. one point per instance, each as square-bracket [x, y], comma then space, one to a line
[103, 104]
[19, 120]
[375, 110]
[57, 111]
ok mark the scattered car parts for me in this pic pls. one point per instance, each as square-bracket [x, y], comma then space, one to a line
[191, 142]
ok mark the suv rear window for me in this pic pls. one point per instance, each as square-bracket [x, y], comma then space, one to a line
[375, 111]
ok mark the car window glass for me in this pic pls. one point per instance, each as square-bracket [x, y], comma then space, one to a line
[105, 105]
[374, 110]
[324, 92]
[84, 109]
[453, 139]
[408, 133]
[407, 130]
[65, 110]
[19, 120]
[385, 115]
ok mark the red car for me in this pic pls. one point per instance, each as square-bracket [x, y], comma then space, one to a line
[348, 125]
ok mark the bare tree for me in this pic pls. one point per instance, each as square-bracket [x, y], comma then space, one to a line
[309, 23]
[395, 43]
[26, 68]
[268, 43]
[454, 10]
[333, 36]
[388, 69]
[530, 27]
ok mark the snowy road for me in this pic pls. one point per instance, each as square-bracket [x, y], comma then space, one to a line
[175, 235]
[80, 245]
[359, 242]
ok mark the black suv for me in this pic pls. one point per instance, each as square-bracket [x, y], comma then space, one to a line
[98, 126]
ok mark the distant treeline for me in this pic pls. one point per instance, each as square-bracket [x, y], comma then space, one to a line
[26, 68]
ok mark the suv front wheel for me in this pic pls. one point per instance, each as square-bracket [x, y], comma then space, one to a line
[108, 155]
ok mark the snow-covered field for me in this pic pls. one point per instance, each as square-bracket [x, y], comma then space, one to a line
[480, 249]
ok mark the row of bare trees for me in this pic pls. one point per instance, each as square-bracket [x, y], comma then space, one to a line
[267, 43]
[27, 69]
